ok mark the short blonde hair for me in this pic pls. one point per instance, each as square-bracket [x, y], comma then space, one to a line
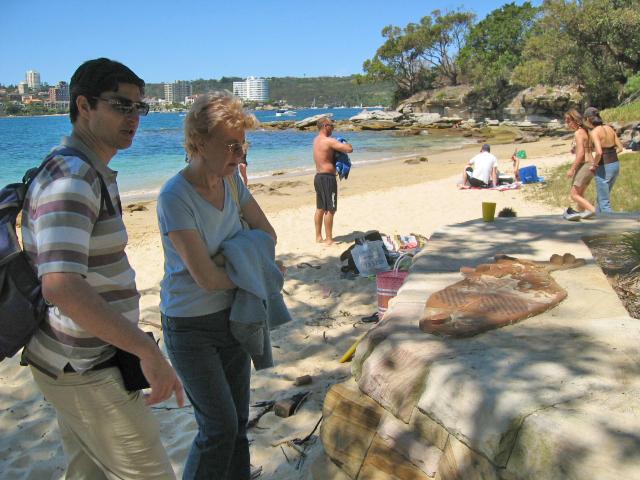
[210, 111]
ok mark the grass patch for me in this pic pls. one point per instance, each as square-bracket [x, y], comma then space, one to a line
[625, 196]
[625, 113]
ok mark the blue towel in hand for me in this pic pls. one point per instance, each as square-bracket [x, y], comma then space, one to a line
[258, 305]
[342, 161]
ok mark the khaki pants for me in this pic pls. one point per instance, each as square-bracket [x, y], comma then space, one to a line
[107, 432]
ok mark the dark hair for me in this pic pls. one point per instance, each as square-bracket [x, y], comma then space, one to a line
[94, 77]
[592, 117]
[485, 148]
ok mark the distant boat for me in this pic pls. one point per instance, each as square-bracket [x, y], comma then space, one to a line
[285, 113]
[313, 104]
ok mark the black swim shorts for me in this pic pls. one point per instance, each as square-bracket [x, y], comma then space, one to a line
[326, 187]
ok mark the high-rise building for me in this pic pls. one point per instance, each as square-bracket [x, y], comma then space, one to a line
[177, 91]
[23, 87]
[33, 80]
[253, 88]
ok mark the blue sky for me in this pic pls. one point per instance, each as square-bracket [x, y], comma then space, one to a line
[165, 40]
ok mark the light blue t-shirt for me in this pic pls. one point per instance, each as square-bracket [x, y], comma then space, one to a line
[180, 207]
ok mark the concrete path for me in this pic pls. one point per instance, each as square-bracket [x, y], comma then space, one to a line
[554, 396]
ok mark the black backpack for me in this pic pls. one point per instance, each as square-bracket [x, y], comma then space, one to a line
[22, 307]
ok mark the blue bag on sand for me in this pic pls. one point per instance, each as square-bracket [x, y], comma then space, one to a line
[342, 161]
[529, 174]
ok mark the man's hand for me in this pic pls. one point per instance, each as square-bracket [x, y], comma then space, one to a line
[571, 172]
[162, 378]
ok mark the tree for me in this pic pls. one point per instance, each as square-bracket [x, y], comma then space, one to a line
[418, 55]
[592, 43]
[398, 60]
[494, 48]
[442, 37]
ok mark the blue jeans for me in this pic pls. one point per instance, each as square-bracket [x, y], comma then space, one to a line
[216, 372]
[606, 175]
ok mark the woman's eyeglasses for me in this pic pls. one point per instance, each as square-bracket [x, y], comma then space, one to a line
[236, 148]
[126, 107]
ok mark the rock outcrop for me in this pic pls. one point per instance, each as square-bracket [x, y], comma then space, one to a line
[539, 105]
[555, 397]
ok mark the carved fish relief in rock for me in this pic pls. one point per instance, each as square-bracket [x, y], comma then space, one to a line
[494, 295]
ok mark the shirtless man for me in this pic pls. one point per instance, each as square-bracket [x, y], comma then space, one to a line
[325, 182]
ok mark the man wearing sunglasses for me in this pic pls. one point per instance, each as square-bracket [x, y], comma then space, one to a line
[75, 238]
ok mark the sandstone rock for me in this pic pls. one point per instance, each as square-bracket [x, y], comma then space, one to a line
[366, 115]
[350, 421]
[378, 125]
[529, 138]
[311, 121]
[491, 295]
[423, 119]
[492, 122]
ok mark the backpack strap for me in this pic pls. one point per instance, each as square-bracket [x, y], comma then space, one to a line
[105, 198]
[236, 199]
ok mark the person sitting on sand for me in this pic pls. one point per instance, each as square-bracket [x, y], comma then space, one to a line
[199, 209]
[326, 186]
[481, 169]
[579, 172]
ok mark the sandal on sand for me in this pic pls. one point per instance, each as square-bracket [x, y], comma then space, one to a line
[371, 318]
[307, 264]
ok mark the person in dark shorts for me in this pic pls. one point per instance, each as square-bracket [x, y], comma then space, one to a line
[324, 148]
[326, 192]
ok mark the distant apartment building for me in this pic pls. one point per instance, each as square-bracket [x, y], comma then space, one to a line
[23, 88]
[33, 80]
[59, 96]
[59, 93]
[177, 91]
[253, 88]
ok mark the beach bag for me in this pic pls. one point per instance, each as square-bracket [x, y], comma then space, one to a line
[529, 174]
[388, 284]
[370, 258]
[22, 307]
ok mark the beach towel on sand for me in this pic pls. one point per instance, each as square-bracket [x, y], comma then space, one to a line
[500, 188]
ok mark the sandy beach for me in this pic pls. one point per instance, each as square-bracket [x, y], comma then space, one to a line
[396, 197]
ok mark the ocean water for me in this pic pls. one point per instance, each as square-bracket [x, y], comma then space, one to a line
[157, 151]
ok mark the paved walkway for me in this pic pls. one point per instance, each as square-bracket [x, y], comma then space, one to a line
[554, 396]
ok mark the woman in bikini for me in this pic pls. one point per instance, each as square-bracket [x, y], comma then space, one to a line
[579, 172]
[605, 165]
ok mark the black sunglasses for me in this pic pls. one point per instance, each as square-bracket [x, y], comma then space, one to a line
[126, 107]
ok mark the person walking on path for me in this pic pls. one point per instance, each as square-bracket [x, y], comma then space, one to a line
[606, 166]
[580, 171]
[200, 210]
[325, 183]
[77, 245]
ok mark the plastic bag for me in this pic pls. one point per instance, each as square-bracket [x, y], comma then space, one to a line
[370, 258]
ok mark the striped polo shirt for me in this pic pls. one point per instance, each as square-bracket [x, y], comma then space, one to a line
[64, 230]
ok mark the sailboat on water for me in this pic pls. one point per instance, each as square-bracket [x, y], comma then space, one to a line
[313, 104]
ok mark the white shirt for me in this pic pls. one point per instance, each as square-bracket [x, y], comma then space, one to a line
[483, 164]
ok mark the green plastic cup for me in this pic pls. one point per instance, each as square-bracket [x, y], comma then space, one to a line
[488, 211]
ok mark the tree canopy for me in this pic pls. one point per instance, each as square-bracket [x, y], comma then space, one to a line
[593, 44]
[421, 54]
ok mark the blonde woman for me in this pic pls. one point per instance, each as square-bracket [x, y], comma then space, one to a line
[605, 166]
[198, 210]
[579, 172]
